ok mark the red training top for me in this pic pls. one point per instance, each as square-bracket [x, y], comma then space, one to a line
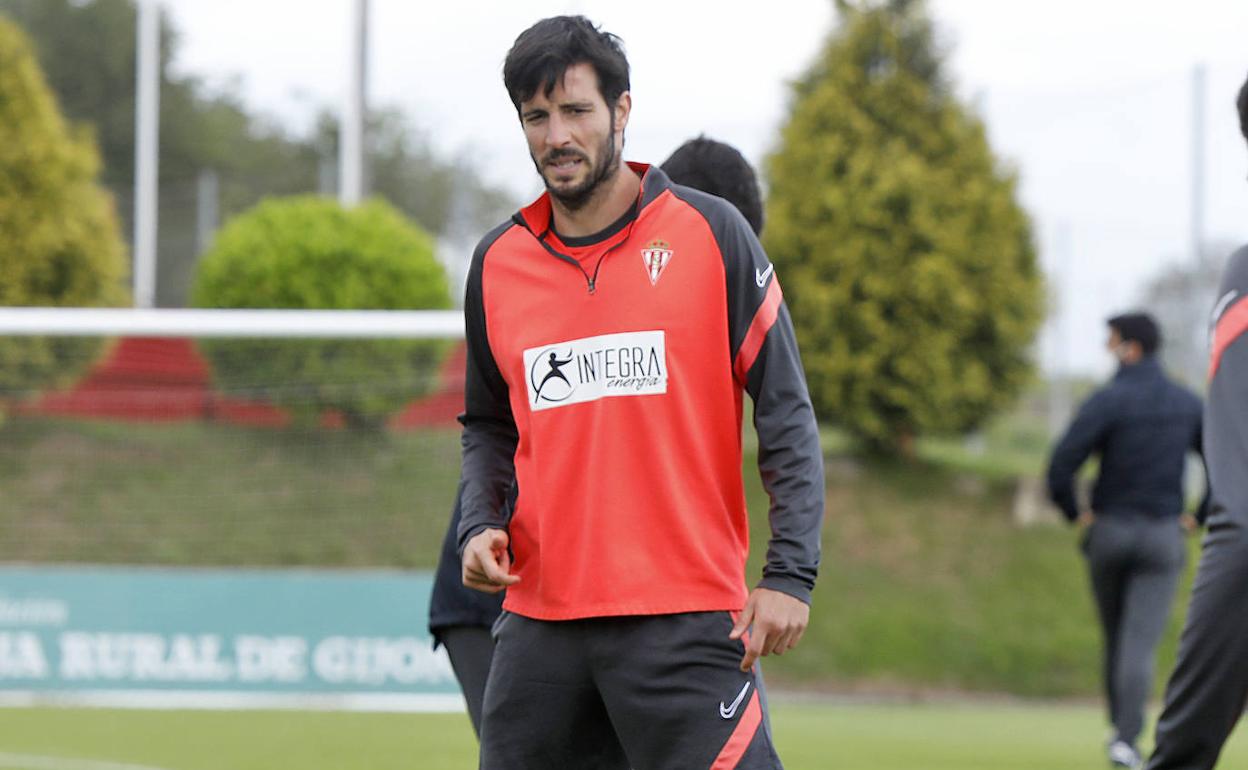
[606, 374]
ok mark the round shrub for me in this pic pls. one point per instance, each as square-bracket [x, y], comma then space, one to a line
[309, 252]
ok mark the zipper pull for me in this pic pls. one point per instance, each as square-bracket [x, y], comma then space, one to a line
[592, 286]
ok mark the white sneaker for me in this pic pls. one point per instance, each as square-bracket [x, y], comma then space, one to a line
[1122, 754]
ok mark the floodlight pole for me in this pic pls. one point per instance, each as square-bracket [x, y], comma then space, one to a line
[146, 152]
[351, 132]
[1198, 163]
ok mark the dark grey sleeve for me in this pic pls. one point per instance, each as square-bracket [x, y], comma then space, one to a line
[1085, 435]
[489, 437]
[766, 362]
[790, 461]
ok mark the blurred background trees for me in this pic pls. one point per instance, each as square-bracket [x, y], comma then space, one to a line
[1182, 297]
[57, 224]
[217, 159]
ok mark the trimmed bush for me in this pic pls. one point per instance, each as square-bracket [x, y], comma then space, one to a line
[308, 252]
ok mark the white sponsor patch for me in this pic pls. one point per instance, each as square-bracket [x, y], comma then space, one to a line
[573, 372]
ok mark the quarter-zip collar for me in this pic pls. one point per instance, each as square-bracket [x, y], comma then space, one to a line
[537, 219]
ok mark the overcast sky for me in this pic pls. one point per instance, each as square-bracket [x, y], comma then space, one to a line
[1091, 100]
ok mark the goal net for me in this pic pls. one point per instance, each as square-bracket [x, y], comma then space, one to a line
[250, 438]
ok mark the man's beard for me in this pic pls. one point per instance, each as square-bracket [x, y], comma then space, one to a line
[575, 198]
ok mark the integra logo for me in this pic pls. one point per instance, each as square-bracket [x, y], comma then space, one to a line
[552, 369]
[628, 364]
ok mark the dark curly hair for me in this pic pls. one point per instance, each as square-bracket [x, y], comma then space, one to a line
[1137, 327]
[543, 52]
[718, 169]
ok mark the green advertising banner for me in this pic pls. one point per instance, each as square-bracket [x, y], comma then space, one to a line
[220, 639]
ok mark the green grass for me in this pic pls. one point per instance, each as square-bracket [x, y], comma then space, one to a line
[846, 737]
[196, 494]
[926, 583]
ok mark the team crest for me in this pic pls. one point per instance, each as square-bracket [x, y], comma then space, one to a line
[655, 256]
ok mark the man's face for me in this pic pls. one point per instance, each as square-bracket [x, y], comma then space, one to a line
[574, 137]
[1123, 351]
[1114, 344]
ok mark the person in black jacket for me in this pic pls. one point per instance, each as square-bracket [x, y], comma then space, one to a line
[460, 618]
[1141, 425]
[1209, 687]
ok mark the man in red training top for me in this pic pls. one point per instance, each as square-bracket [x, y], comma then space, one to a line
[613, 327]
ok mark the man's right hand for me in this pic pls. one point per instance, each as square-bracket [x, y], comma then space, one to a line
[1086, 517]
[487, 563]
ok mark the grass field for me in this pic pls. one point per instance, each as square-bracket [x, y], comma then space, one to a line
[926, 583]
[810, 736]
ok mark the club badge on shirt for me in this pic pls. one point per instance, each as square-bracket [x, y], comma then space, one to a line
[656, 255]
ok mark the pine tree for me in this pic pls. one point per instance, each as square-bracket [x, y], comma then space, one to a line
[908, 263]
[59, 238]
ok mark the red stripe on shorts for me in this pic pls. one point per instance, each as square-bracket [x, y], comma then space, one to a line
[741, 737]
[1232, 324]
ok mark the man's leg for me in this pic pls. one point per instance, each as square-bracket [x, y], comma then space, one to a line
[1209, 687]
[1149, 596]
[470, 649]
[676, 695]
[1104, 546]
[542, 710]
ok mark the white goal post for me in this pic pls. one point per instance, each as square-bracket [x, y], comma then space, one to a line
[171, 322]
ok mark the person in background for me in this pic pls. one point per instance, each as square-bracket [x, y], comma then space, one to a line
[459, 617]
[1141, 426]
[1208, 690]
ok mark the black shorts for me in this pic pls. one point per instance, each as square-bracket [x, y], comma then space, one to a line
[661, 692]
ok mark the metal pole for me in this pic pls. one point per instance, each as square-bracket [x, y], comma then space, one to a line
[183, 322]
[146, 152]
[207, 208]
[1198, 163]
[351, 134]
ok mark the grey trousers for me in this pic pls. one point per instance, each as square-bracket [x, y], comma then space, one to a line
[1134, 563]
[1209, 687]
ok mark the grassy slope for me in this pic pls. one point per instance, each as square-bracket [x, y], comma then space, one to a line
[200, 495]
[931, 737]
[927, 584]
[925, 581]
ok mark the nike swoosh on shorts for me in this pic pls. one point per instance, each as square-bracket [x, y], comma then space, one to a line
[728, 712]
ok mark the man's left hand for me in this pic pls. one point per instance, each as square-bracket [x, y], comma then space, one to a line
[779, 621]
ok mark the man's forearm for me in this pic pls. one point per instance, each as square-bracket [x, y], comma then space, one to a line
[489, 447]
